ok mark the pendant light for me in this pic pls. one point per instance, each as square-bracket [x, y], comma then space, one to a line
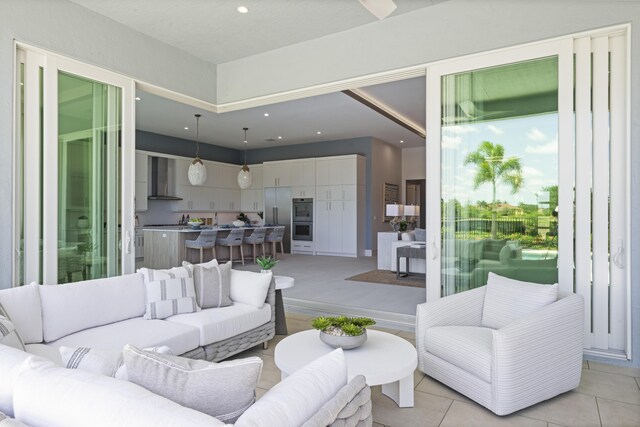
[197, 172]
[244, 176]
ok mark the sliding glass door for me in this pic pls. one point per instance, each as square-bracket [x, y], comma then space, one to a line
[527, 173]
[75, 172]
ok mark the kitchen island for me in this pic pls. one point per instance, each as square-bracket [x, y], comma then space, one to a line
[164, 246]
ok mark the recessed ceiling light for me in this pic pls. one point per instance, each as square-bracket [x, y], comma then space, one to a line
[137, 98]
[243, 9]
[279, 137]
[186, 128]
[266, 114]
[401, 141]
[319, 133]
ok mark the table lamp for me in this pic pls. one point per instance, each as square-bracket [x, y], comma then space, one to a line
[396, 211]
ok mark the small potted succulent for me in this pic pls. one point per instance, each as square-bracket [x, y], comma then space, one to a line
[266, 263]
[342, 331]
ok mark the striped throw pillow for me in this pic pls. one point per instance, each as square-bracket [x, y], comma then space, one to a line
[507, 300]
[8, 334]
[213, 285]
[151, 275]
[168, 297]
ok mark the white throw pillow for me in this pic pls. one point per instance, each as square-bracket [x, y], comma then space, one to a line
[213, 285]
[52, 396]
[101, 361]
[10, 362]
[168, 297]
[223, 390]
[250, 288]
[23, 306]
[8, 334]
[298, 397]
[507, 300]
[151, 275]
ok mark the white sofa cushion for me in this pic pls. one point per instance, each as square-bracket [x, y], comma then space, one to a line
[298, 397]
[250, 288]
[217, 324]
[10, 361]
[166, 297]
[138, 332]
[507, 300]
[23, 306]
[77, 306]
[8, 334]
[52, 396]
[223, 390]
[213, 285]
[467, 347]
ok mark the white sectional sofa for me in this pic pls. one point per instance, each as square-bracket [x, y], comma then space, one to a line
[39, 390]
[108, 314]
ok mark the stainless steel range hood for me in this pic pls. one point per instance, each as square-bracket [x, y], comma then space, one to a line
[160, 185]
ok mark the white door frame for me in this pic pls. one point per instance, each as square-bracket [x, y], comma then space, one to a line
[52, 64]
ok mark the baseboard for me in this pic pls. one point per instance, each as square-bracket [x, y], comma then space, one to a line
[384, 319]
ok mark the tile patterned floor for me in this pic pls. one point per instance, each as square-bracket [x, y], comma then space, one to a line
[607, 396]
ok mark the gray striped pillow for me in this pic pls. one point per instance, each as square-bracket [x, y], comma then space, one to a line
[8, 334]
[213, 285]
[166, 298]
[151, 275]
[507, 300]
[105, 362]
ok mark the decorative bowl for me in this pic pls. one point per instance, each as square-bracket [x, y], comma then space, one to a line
[195, 224]
[346, 342]
[238, 223]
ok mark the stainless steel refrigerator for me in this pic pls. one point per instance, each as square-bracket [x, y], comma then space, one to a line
[277, 211]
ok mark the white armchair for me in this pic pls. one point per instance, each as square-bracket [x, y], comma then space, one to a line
[533, 357]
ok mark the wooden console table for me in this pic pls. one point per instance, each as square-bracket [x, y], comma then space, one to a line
[408, 252]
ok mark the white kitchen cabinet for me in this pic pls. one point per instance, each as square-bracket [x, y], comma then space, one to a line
[252, 200]
[303, 172]
[339, 206]
[256, 173]
[184, 191]
[227, 199]
[142, 167]
[141, 194]
[181, 171]
[303, 192]
[276, 174]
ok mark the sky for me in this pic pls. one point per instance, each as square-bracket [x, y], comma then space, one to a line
[533, 140]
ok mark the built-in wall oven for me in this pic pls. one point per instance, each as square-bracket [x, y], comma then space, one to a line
[302, 219]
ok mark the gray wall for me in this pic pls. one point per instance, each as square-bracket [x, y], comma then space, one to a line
[184, 147]
[387, 164]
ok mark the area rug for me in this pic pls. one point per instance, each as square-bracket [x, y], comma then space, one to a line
[389, 278]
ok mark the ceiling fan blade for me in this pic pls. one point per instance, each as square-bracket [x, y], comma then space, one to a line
[379, 8]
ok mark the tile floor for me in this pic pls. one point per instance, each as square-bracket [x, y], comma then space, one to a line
[607, 396]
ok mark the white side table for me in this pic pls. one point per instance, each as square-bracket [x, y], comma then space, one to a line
[384, 359]
[282, 282]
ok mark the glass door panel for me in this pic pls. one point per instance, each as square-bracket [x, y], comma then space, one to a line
[499, 174]
[89, 134]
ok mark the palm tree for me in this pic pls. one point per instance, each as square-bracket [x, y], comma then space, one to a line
[494, 168]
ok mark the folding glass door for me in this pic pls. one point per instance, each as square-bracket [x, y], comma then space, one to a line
[524, 185]
[74, 215]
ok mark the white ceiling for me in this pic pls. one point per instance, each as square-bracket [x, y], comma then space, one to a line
[214, 31]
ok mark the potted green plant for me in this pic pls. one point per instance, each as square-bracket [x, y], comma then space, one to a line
[266, 263]
[342, 331]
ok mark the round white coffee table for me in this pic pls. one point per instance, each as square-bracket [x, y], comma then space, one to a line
[384, 359]
[282, 282]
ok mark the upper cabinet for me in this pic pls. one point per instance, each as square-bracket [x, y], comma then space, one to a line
[277, 174]
[339, 170]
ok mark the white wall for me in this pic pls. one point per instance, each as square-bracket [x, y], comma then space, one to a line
[386, 166]
[413, 166]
